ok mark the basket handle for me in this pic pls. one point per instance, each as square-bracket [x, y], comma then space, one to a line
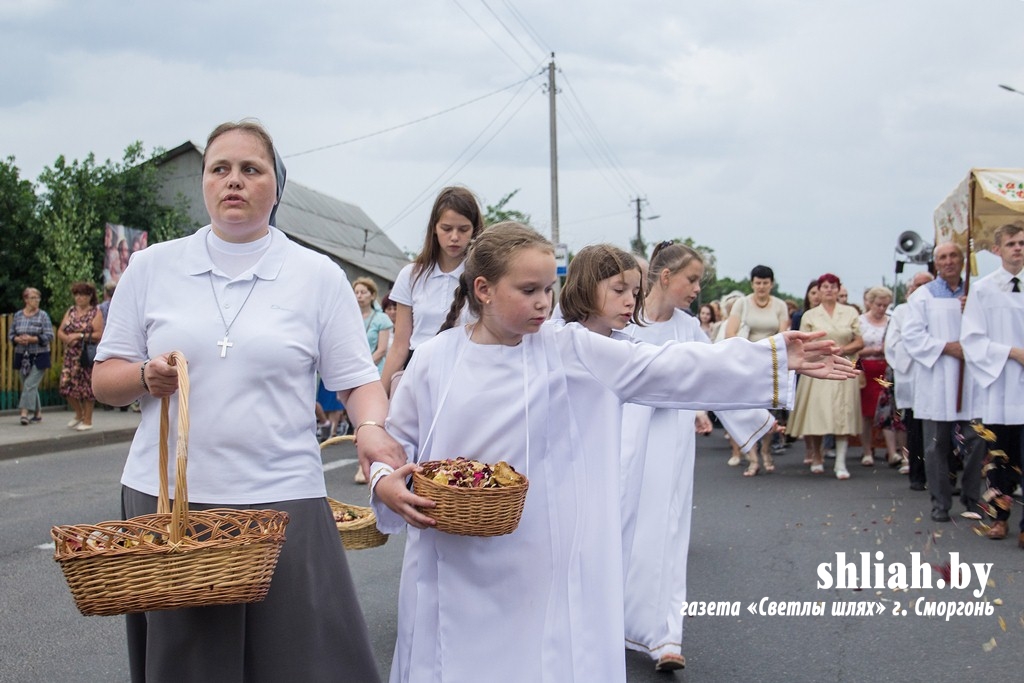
[179, 515]
[336, 439]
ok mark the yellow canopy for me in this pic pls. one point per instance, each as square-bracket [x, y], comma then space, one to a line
[990, 198]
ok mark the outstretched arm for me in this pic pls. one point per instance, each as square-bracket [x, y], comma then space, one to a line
[809, 353]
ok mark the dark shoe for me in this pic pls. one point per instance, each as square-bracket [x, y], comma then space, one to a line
[1020, 541]
[998, 530]
[916, 486]
[36, 418]
[670, 662]
[940, 516]
[24, 420]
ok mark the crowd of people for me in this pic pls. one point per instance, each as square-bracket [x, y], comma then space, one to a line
[939, 387]
[598, 404]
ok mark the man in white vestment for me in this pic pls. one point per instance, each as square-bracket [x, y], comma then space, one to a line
[903, 384]
[931, 335]
[993, 342]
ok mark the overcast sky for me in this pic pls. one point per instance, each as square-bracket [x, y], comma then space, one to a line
[804, 135]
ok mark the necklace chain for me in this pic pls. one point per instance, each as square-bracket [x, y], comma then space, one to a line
[224, 344]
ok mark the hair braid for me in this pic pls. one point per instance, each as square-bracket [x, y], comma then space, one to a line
[461, 294]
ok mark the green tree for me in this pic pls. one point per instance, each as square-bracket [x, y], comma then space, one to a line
[80, 197]
[708, 254]
[19, 237]
[719, 287]
[498, 212]
[639, 248]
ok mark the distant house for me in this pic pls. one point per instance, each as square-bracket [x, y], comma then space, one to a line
[338, 229]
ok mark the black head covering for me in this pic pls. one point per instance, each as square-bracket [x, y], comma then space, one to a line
[282, 174]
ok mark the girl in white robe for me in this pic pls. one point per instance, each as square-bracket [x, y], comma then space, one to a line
[544, 603]
[658, 455]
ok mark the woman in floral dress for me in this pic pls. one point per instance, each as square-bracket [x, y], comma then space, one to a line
[82, 322]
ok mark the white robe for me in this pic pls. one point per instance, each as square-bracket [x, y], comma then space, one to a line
[656, 479]
[899, 359]
[930, 323]
[543, 604]
[993, 322]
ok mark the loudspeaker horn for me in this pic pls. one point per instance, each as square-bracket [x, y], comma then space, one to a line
[910, 246]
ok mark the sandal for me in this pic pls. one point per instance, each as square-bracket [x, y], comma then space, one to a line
[895, 459]
[769, 463]
[734, 461]
[868, 460]
[818, 468]
[670, 662]
[24, 420]
[751, 470]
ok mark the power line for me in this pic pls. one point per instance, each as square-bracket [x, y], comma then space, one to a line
[598, 167]
[573, 105]
[489, 36]
[431, 187]
[410, 123]
[504, 26]
[602, 145]
[529, 29]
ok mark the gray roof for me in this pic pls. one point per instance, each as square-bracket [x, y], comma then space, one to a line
[339, 229]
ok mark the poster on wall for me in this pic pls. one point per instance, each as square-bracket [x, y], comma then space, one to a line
[119, 243]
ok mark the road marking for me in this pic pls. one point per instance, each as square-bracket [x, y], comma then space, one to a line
[328, 466]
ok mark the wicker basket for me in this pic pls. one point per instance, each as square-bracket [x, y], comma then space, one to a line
[176, 557]
[472, 512]
[361, 533]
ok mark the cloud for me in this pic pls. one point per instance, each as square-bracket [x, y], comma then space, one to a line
[804, 135]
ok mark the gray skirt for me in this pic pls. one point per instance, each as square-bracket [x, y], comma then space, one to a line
[310, 627]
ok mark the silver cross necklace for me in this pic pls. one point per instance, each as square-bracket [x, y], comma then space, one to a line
[224, 344]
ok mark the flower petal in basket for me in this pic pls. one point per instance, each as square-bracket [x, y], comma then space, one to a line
[470, 511]
[360, 532]
[176, 557]
[226, 557]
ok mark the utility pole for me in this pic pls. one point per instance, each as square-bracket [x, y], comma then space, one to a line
[637, 244]
[554, 149]
[639, 247]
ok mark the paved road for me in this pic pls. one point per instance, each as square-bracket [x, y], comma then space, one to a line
[753, 538]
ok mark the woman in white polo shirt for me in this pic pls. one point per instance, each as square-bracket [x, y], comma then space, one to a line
[257, 316]
[425, 289]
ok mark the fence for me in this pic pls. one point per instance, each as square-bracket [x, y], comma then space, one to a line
[10, 383]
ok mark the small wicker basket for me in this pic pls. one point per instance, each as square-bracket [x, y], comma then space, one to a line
[469, 511]
[361, 533]
[176, 557]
